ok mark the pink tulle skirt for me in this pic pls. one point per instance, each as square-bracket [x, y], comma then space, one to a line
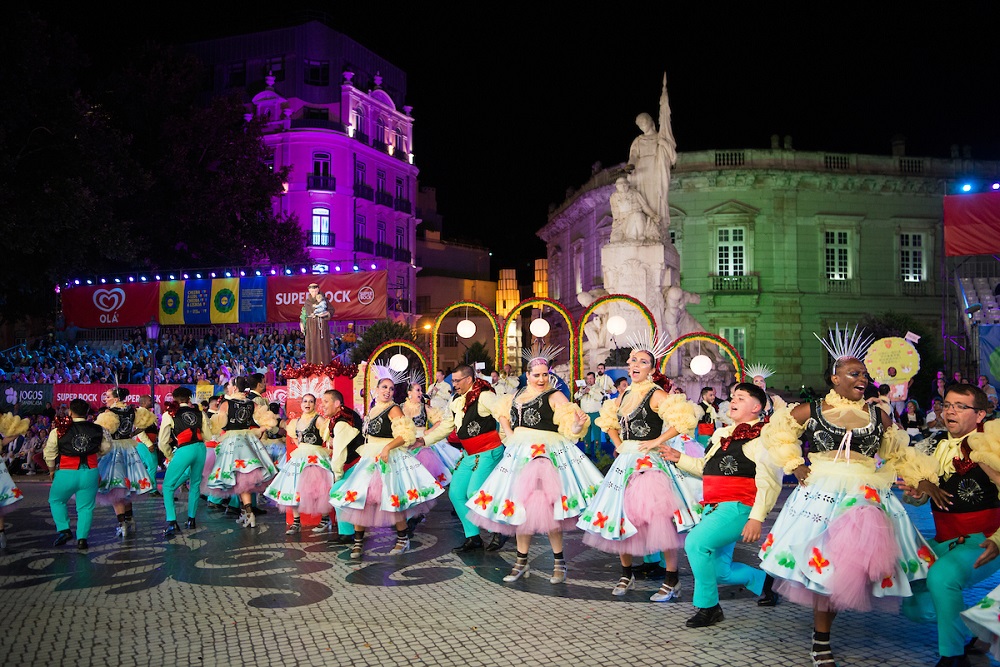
[314, 490]
[537, 490]
[372, 515]
[650, 504]
[207, 470]
[115, 496]
[433, 463]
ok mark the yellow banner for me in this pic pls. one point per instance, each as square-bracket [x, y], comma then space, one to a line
[225, 300]
[171, 302]
[203, 392]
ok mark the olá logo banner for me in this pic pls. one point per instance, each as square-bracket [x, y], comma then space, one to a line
[126, 305]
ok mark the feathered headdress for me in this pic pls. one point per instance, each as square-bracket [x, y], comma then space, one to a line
[649, 341]
[383, 372]
[537, 352]
[417, 377]
[753, 370]
[846, 344]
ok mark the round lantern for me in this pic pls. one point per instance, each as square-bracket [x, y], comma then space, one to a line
[539, 328]
[616, 325]
[701, 365]
[398, 362]
[466, 329]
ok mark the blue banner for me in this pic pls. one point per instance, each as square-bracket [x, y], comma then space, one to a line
[253, 299]
[197, 301]
[989, 352]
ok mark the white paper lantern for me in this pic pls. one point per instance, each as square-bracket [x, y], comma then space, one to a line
[617, 325]
[398, 363]
[539, 328]
[466, 329]
[701, 365]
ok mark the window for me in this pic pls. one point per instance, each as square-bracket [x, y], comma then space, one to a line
[911, 258]
[737, 337]
[400, 237]
[359, 122]
[321, 164]
[380, 181]
[731, 252]
[380, 232]
[275, 66]
[360, 177]
[359, 227]
[449, 340]
[400, 140]
[423, 303]
[381, 131]
[316, 72]
[838, 255]
[312, 113]
[320, 227]
[236, 75]
[269, 161]
[400, 191]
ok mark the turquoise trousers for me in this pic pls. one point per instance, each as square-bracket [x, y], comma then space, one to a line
[468, 477]
[709, 547]
[82, 484]
[187, 464]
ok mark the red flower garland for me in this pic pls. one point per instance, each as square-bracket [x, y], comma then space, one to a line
[332, 370]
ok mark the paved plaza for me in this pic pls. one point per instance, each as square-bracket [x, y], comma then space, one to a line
[223, 595]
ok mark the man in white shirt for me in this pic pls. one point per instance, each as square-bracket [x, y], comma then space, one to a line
[604, 382]
[590, 397]
[507, 381]
[439, 392]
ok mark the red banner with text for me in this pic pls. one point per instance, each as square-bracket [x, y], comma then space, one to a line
[111, 306]
[354, 296]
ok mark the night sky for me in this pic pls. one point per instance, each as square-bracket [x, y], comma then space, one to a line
[512, 106]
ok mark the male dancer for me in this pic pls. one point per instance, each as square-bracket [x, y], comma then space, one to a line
[345, 438]
[476, 428]
[966, 521]
[188, 426]
[740, 488]
[71, 453]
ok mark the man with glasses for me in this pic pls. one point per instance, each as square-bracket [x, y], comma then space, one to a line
[966, 510]
[476, 428]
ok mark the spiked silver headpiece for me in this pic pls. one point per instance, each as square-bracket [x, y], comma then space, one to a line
[538, 352]
[846, 344]
[753, 370]
[649, 341]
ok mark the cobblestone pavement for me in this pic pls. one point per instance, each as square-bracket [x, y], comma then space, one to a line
[223, 595]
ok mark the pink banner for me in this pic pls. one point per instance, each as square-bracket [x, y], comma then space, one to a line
[111, 305]
[972, 224]
[353, 296]
[62, 394]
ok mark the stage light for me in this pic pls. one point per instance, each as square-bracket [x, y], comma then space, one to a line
[995, 186]
[257, 272]
[131, 279]
[338, 267]
[157, 277]
[142, 278]
[273, 272]
[373, 266]
[185, 276]
[58, 289]
[966, 188]
[172, 277]
[229, 274]
[355, 267]
[197, 275]
[89, 281]
[302, 270]
[288, 272]
[103, 281]
[118, 280]
[76, 282]
[243, 273]
[213, 274]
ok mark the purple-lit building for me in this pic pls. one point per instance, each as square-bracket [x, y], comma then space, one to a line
[334, 112]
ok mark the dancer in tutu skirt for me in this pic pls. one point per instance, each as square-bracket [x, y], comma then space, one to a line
[303, 484]
[544, 481]
[643, 500]
[431, 446]
[11, 426]
[843, 540]
[242, 466]
[123, 472]
[388, 485]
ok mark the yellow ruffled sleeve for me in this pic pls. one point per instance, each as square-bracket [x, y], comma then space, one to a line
[565, 416]
[502, 406]
[218, 422]
[985, 446]
[108, 420]
[910, 463]
[443, 425]
[782, 439]
[143, 419]
[264, 417]
[488, 404]
[403, 427]
[608, 419]
[12, 426]
[677, 411]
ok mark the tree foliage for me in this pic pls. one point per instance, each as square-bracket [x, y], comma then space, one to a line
[378, 333]
[478, 352]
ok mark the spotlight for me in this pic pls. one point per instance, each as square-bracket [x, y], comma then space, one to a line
[229, 274]
[338, 267]
[288, 271]
[243, 273]
[89, 281]
[373, 266]
[197, 275]
[302, 270]
[103, 281]
[131, 279]
[142, 278]
[966, 187]
[355, 266]
[157, 277]
[76, 282]
[118, 280]
[257, 272]
[213, 274]
[974, 308]
[995, 186]
[172, 277]
[185, 276]
[273, 272]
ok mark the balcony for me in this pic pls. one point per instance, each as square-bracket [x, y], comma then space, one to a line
[361, 244]
[384, 250]
[914, 288]
[322, 240]
[841, 286]
[383, 199]
[380, 146]
[403, 156]
[318, 123]
[402, 205]
[362, 137]
[401, 255]
[363, 191]
[736, 284]
[326, 183]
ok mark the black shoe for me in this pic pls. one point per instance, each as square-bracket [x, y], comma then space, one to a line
[342, 540]
[156, 494]
[497, 542]
[81, 544]
[190, 523]
[233, 511]
[768, 599]
[705, 617]
[172, 530]
[412, 523]
[62, 538]
[972, 648]
[257, 511]
[653, 571]
[954, 661]
[474, 543]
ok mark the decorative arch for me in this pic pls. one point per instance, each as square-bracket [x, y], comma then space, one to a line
[485, 310]
[719, 341]
[388, 345]
[531, 302]
[608, 298]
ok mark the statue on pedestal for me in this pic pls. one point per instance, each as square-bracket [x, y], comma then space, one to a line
[651, 156]
[633, 220]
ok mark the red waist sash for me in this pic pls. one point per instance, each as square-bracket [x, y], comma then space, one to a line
[73, 462]
[952, 525]
[483, 442]
[719, 489]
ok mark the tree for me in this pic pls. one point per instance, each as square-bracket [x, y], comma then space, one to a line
[478, 352]
[378, 333]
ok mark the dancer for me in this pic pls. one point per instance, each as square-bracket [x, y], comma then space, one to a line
[544, 481]
[642, 500]
[740, 487]
[303, 484]
[843, 500]
[388, 485]
[71, 453]
[430, 447]
[345, 441]
[476, 430]
[11, 426]
[186, 425]
[758, 374]
[966, 512]
[242, 466]
[123, 473]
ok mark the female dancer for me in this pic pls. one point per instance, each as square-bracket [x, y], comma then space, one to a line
[635, 510]
[544, 481]
[432, 426]
[123, 473]
[388, 485]
[242, 466]
[303, 484]
[842, 539]
[11, 426]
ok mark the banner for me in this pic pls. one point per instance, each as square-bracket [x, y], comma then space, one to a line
[225, 299]
[253, 299]
[129, 305]
[24, 399]
[989, 352]
[171, 302]
[93, 393]
[197, 301]
[354, 296]
[972, 224]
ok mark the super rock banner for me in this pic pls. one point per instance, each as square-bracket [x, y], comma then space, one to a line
[989, 352]
[355, 296]
[106, 306]
[93, 393]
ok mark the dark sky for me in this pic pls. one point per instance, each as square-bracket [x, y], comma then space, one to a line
[513, 105]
